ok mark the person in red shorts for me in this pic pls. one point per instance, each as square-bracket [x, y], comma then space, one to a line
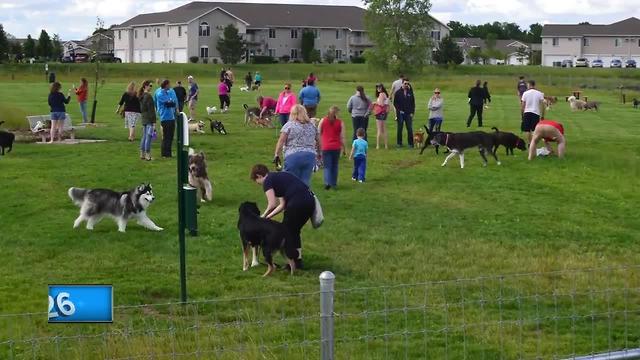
[549, 131]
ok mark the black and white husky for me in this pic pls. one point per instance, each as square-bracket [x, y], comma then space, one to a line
[121, 206]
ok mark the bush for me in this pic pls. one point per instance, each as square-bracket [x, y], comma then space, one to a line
[262, 59]
[215, 60]
[205, 60]
[358, 60]
[285, 58]
[194, 59]
[342, 62]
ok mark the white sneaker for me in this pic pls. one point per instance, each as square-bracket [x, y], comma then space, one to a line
[360, 181]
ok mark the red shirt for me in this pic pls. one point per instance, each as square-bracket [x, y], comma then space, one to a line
[555, 124]
[81, 92]
[269, 103]
[330, 135]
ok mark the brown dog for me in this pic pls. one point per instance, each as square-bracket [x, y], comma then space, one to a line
[418, 139]
[198, 176]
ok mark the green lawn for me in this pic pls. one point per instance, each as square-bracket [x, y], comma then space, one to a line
[411, 222]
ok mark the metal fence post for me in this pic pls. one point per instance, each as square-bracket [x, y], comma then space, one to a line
[327, 281]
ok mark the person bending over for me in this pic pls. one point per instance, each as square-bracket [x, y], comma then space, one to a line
[549, 131]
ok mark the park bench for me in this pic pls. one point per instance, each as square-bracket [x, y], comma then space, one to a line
[43, 131]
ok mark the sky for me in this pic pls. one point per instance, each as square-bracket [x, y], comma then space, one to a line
[76, 19]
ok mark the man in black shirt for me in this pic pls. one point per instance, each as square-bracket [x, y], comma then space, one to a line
[476, 101]
[181, 94]
[405, 105]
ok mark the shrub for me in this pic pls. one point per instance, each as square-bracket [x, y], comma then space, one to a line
[263, 59]
[358, 60]
[285, 58]
[194, 59]
[205, 60]
[215, 60]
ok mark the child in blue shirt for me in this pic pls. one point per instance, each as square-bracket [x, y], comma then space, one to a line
[359, 155]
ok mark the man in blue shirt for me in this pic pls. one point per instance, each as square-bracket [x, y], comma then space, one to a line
[309, 98]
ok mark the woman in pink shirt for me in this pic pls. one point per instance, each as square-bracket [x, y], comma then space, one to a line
[267, 105]
[286, 100]
[223, 94]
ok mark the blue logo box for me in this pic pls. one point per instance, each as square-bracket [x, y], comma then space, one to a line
[80, 303]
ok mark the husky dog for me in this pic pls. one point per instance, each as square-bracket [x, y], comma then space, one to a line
[211, 110]
[197, 127]
[121, 206]
[198, 176]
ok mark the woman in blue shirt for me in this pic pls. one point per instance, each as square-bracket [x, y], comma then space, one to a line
[58, 111]
[166, 102]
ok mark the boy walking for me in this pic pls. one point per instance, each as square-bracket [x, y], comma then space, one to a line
[359, 155]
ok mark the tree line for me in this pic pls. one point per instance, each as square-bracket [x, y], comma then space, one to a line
[497, 30]
[45, 47]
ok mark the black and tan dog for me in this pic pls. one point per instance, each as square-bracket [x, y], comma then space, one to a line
[252, 116]
[270, 235]
[430, 136]
[199, 176]
[217, 126]
[459, 142]
[6, 140]
[509, 140]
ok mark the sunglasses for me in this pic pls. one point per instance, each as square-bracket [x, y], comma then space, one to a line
[436, 92]
[286, 88]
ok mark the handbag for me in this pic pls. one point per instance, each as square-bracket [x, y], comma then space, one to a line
[379, 109]
[317, 218]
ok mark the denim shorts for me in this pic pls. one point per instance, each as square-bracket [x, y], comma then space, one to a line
[58, 115]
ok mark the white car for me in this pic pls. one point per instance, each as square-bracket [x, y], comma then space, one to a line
[582, 62]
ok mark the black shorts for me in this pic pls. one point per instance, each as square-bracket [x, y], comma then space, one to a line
[529, 121]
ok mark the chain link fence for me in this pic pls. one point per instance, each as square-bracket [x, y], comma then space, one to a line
[586, 314]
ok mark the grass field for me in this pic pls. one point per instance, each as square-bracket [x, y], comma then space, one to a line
[412, 222]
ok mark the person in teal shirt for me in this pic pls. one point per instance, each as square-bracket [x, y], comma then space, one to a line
[359, 155]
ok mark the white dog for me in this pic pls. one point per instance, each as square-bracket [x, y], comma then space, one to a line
[244, 88]
[197, 127]
[575, 103]
[211, 110]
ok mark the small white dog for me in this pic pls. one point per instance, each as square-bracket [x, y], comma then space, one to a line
[244, 88]
[575, 104]
[197, 127]
[211, 110]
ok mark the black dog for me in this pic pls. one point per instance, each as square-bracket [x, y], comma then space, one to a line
[6, 140]
[636, 103]
[508, 140]
[268, 234]
[217, 126]
[459, 142]
[427, 142]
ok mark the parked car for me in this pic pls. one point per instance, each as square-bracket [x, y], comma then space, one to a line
[66, 59]
[630, 63]
[582, 62]
[107, 58]
[567, 63]
[81, 58]
[616, 63]
[597, 63]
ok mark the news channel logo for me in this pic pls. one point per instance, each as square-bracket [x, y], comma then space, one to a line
[80, 303]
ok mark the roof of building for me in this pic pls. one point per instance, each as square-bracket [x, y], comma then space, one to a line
[262, 15]
[505, 46]
[630, 26]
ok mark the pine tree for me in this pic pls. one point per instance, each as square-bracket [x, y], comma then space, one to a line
[30, 47]
[231, 46]
[56, 47]
[4, 45]
[448, 52]
[44, 48]
[307, 46]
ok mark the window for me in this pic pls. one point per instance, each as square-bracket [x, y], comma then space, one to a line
[294, 33]
[338, 34]
[145, 33]
[204, 51]
[119, 35]
[316, 33]
[586, 42]
[338, 54]
[555, 41]
[272, 33]
[617, 42]
[294, 53]
[179, 31]
[158, 32]
[168, 32]
[135, 34]
[272, 52]
[435, 35]
[205, 30]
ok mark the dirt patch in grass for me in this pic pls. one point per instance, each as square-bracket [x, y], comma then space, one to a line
[405, 163]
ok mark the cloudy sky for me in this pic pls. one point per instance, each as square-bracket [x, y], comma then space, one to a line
[75, 19]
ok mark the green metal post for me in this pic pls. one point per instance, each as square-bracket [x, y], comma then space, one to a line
[181, 210]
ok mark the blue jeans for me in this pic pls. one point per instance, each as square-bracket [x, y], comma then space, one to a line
[331, 158]
[359, 167]
[405, 119]
[83, 111]
[283, 118]
[145, 141]
[301, 164]
[360, 122]
[435, 123]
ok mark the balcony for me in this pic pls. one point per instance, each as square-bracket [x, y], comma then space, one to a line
[359, 41]
[254, 39]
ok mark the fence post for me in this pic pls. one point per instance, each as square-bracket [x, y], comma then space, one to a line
[327, 281]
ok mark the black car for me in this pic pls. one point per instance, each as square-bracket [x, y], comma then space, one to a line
[106, 58]
[66, 59]
[630, 63]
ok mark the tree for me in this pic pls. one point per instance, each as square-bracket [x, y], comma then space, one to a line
[401, 32]
[448, 52]
[534, 35]
[307, 45]
[29, 47]
[522, 53]
[231, 46]
[56, 47]
[490, 41]
[475, 55]
[330, 54]
[458, 29]
[4, 45]
[16, 50]
[44, 49]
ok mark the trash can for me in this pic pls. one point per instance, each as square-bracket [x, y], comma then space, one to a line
[557, 64]
[191, 209]
[52, 77]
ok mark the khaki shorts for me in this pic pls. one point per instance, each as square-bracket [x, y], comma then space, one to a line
[192, 104]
